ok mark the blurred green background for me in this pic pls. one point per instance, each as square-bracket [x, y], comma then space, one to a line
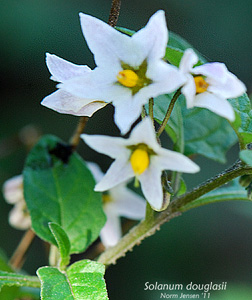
[212, 243]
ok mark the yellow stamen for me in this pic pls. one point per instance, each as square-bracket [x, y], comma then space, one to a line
[106, 198]
[201, 84]
[127, 78]
[139, 161]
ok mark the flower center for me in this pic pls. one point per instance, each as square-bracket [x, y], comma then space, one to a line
[139, 161]
[106, 198]
[127, 78]
[201, 84]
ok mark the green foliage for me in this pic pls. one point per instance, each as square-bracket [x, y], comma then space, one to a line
[246, 156]
[4, 266]
[243, 122]
[210, 139]
[58, 187]
[13, 279]
[82, 280]
[176, 48]
[62, 242]
[233, 191]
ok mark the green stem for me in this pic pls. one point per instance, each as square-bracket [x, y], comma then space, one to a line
[12, 279]
[169, 111]
[148, 226]
[143, 113]
[151, 103]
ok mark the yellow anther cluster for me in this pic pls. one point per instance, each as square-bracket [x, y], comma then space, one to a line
[139, 161]
[201, 84]
[127, 78]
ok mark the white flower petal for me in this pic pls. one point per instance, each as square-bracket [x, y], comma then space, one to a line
[144, 133]
[99, 85]
[232, 87]
[120, 171]
[111, 146]
[153, 38]
[111, 232]
[127, 203]
[126, 115]
[103, 40]
[216, 104]
[95, 170]
[62, 70]
[66, 103]
[188, 60]
[151, 186]
[189, 91]
[13, 189]
[215, 72]
[18, 219]
[166, 79]
[174, 161]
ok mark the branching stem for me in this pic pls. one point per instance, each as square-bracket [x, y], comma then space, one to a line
[148, 226]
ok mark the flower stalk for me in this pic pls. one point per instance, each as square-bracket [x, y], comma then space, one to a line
[169, 111]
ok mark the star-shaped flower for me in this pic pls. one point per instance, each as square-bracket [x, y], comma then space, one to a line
[209, 85]
[130, 70]
[140, 155]
[62, 101]
[118, 202]
[13, 193]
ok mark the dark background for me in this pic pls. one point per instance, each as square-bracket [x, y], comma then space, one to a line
[212, 243]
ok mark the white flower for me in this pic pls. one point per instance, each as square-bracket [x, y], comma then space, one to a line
[118, 201]
[129, 71]
[140, 155]
[13, 191]
[62, 101]
[209, 85]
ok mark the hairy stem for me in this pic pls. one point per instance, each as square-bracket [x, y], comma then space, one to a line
[148, 226]
[168, 113]
[114, 12]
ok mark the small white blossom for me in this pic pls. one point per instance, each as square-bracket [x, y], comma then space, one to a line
[62, 101]
[209, 85]
[129, 71]
[13, 191]
[118, 202]
[140, 155]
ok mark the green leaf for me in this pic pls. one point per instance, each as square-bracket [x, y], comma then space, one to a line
[204, 132]
[246, 156]
[13, 279]
[59, 188]
[63, 243]
[82, 280]
[234, 191]
[175, 48]
[4, 265]
[243, 122]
